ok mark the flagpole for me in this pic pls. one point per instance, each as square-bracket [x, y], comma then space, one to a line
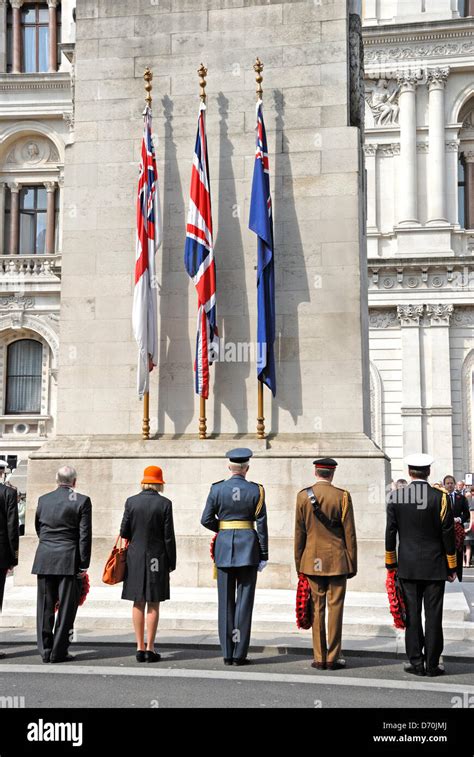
[147, 76]
[258, 68]
[202, 73]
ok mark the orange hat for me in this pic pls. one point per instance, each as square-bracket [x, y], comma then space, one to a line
[152, 475]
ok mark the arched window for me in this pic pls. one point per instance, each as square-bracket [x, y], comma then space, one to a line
[462, 194]
[23, 390]
[466, 166]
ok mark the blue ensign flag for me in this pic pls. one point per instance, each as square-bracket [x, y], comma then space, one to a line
[261, 223]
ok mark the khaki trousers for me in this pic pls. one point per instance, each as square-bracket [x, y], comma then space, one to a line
[330, 590]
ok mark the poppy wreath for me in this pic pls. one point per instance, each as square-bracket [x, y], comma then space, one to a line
[304, 605]
[396, 600]
[459, 535]
[85, 587]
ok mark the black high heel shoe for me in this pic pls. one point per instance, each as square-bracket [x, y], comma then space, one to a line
[140, 656]
[152, 656]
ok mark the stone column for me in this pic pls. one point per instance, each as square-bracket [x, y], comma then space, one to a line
[469, 189]
[14, 217]
[16, 5]
[3, 35]
[409, 316]
[53, 35]
[438, 390]
[452, 160]
[437, 78]
[370, 165]
[2, 218]
[408, 190]
[50, 217]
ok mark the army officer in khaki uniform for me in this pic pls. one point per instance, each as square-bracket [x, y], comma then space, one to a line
[326, 552]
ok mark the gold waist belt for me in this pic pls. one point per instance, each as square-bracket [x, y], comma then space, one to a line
[223, 524]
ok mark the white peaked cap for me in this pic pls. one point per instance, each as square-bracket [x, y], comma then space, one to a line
[419, 460]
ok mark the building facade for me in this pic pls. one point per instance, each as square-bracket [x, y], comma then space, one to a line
[419, 153]
[36, 127]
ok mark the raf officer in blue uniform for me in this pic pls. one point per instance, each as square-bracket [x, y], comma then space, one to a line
[236, 511]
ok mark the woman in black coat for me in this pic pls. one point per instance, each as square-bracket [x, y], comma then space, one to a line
[151, 556]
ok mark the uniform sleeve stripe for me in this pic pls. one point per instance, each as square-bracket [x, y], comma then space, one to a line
[452, 561]
[444, 507]
[261, 500]
[345, 505]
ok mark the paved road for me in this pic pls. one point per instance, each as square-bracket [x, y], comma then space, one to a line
[108, 676]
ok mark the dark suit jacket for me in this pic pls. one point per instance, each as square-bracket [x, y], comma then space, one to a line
[460, 507]
[237, 499]
[9, 528]
[424, 524]
[64, 525]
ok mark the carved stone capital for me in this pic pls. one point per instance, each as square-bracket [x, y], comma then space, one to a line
[436, 78]
[469, 156]
[50, 186]
[409, 315]
[370, 150]
[52, 3]
[453, 146]
[408, 79]
[16, 3]
[14, 186]
[440, 315]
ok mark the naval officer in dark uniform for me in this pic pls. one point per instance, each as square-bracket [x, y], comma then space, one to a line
[236, 511]
[423, 520]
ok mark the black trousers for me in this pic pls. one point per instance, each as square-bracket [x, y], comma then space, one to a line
[54, 638]
[236, 594]
[3, 578]
[429, 594]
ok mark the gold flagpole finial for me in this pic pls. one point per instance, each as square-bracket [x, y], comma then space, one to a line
[258, 68]
[202, 73]
[148, 77]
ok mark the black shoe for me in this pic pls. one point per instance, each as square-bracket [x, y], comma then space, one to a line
[152, 656]
[435, 672]
[46, 658]
[67, 658]
[228, 660]
[241, 661]
[416, 670]
[3, 655]
[140, 656]
[335, 665]
[318, 665]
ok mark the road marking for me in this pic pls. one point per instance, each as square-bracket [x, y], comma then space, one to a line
[327, 680]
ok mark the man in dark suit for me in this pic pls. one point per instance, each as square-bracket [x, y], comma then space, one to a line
[9, 532]
[234, 509]
[423, 520]
[64, 525]
[461, 514]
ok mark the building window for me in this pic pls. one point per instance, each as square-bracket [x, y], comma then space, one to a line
[466, 7]
[24, 366]
[462, 195]
[35, 38]
[33, 54]
[33, 211]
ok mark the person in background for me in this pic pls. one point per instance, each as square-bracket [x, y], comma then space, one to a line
[9, 532]
[469, 539]
[460, 487]
[22, 512]
[460, 512]
[147, 524]
[401, 483]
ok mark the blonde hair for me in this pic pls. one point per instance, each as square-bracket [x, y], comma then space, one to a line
[154, 487]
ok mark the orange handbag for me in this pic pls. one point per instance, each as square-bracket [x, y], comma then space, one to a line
[114, 571]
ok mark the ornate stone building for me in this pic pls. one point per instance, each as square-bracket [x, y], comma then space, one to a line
[419, 151]
[36, 127]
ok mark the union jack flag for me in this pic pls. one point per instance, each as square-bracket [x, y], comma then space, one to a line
[149, 235]
[199, 259]
[261, 222]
